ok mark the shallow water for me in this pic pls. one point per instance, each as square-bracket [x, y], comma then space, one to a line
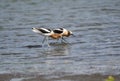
[94, 49]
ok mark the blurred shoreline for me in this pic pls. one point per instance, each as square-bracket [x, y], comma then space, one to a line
[82, 77]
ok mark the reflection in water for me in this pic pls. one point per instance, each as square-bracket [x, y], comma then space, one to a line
[51, 60]
[58, 50]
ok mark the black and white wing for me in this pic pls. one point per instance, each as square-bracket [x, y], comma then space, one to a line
[42, 31]
[58, 31]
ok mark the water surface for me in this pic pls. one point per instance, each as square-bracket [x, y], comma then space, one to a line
[94, 49]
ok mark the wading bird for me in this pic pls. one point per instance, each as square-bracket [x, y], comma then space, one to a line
[55, 34]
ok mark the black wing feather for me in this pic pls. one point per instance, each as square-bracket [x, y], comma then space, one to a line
[58, 31]
[43, 31]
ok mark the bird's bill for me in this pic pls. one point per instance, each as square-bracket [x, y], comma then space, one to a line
[73, 35]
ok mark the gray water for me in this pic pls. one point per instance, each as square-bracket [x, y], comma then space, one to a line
[94, 49]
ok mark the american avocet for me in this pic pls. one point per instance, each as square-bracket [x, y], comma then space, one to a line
[55, 34]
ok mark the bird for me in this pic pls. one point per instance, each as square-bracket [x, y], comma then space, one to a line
[54, 34]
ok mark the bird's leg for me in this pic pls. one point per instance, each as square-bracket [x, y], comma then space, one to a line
[58, 40]
[47, 42]
[44, 40]
[63, 40]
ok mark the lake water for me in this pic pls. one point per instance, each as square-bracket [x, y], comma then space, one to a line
[95, 48]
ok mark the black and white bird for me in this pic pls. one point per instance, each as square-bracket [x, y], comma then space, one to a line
[55, 33]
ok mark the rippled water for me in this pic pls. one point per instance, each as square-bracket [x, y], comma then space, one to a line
[94, 49]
